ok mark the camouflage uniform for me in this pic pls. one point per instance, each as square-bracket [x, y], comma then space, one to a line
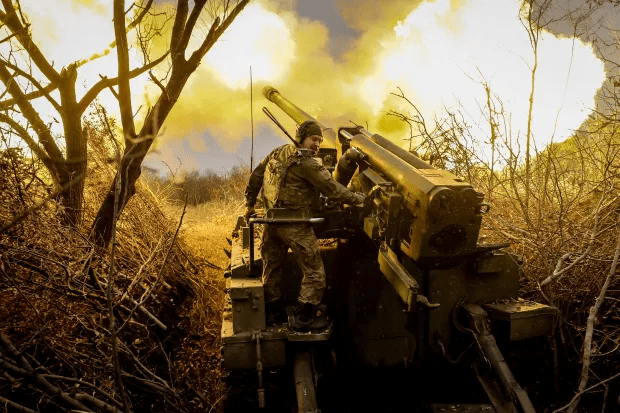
[291, 178]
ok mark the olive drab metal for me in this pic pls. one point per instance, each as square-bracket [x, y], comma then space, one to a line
[408, 280]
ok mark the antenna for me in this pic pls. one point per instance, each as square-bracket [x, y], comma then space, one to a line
[251, 120]
[274, 120]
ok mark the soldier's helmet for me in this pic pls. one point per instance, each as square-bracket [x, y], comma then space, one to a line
[307, 128]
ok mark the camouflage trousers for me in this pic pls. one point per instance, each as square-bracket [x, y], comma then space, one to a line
[300, 238]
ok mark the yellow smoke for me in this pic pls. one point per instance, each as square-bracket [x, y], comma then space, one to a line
[69, 31]
[285, 51]
[367, 16]
[250, 42]
[438, 52]
[442, 52]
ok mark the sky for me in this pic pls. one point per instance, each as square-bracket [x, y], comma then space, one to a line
[340, 61]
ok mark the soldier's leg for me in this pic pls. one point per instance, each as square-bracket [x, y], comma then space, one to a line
[273, 251]
[302, 241]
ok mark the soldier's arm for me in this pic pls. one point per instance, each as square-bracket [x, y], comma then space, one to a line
[255, 183]
[320, 177]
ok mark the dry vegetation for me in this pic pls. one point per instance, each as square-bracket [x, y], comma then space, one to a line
[62, 300]
[56, 337]
[568, 232]
[560, 213]
[56, 301]
[136, 326]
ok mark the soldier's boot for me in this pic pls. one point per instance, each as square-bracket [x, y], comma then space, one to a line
[309, 317]
[320, 317]
[303, 316]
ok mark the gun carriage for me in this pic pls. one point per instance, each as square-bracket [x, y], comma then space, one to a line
[409, 281]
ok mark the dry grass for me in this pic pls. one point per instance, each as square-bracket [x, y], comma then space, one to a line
[53, 309]
[53, 305]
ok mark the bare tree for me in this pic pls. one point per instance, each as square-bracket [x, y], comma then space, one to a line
[138, 144]
[67, 170]
[23, 85]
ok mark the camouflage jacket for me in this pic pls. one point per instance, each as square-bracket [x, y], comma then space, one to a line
[292, 178]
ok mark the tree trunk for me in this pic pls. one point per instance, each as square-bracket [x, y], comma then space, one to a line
[130, 166]
[76, 152]
[136, 149]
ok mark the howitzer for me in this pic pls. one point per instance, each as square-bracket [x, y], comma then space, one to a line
[409, 280]
[422, 211]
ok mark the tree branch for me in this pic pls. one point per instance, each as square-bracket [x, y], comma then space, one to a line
[16, 406]
[7, 104]
[100, 404]
[22, 215]
[21, 33]
[146, 370]
[28, 372]
[7, 38]
[148, 293]
[191, 23]
[159, 84]
[92, 93]
[178, 27]
[587, 342]
[579, 394]
[124, 90]
[34, 146]
[112, 45]
[558, 271]
[130, 166]
[83, 383]
[215, 32]
[114, 336]
[43, 91]
[42, 131]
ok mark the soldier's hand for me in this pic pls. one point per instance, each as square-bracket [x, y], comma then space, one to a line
[249, 212]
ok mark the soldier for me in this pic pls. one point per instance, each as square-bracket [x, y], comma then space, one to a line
[291, 178]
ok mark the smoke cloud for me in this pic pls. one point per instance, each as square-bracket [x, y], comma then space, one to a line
[442, 52]
[438, 52]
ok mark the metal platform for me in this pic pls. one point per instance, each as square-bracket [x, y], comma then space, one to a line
[462, 408]
[312, 335]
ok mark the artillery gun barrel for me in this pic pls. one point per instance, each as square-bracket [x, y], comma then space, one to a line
[408, 157]
[391, 165]
[298, 115]
[445, 209]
